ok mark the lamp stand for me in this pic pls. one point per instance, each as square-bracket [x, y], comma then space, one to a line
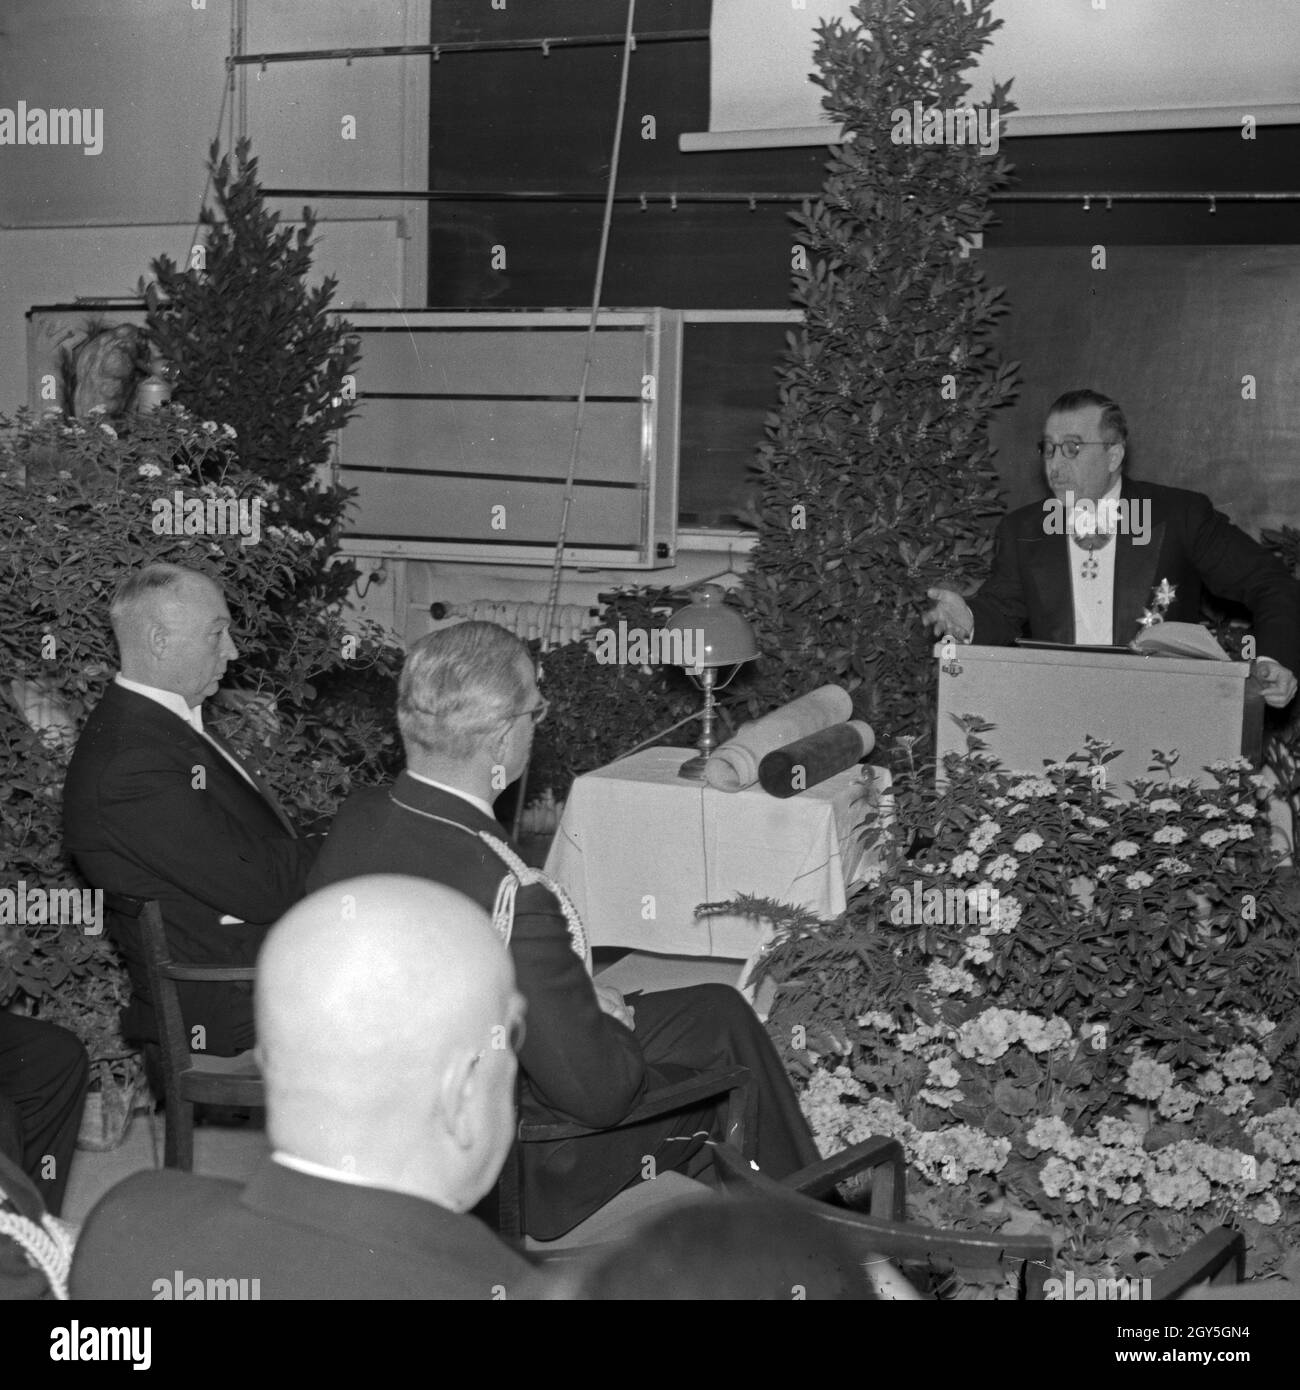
[694, 767]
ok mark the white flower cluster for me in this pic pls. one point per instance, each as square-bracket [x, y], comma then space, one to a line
[835, 1124]
[949, 979]
[983, 835]
[1114, 1165]
[1277, 1136]
[1032, 786]
[954, 1154]
[987, 1036]
[1225, 1083]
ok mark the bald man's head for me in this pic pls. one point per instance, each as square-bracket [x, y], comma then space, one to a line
[385, 1012]
[173, 631]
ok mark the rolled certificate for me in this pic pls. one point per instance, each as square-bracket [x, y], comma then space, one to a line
[803, 764]
[734, 766]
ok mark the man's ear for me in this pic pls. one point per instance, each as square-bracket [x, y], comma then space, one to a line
[156, 640]
[456, 1092]
[1116, 451]
[500, 742]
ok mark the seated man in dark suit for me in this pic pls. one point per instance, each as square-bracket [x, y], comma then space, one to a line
[1082, 566]
[467, 704]
[156, 807]
[387, 1019]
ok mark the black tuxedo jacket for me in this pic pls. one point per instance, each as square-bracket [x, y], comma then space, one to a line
[578, 1063]
[1191, 545]
[152, 810]
[298, 1235]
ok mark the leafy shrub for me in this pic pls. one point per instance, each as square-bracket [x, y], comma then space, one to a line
[876, 481]
[254, 347]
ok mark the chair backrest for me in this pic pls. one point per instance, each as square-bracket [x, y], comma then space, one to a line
[901, 1240]
[173, 1043]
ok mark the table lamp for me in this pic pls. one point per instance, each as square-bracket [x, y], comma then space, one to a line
[712, 636]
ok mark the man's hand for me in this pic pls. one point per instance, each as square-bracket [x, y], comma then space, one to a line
[1276, 683]
[612, 1003]
[950, 617]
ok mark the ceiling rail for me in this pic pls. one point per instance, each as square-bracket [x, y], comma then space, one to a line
[479, 195]
[438, 50]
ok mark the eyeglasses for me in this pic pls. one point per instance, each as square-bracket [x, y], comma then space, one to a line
[1070, 447]
[537, 712]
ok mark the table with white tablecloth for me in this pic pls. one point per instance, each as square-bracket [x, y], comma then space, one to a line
[640, 848]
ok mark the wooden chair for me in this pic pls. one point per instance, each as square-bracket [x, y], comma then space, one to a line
[507, 1214]
[1217, 1259]
[884, 1231]
[189, 1078]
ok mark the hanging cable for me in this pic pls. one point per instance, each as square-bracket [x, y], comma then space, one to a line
[557, 561]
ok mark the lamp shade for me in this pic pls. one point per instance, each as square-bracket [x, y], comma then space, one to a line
[713, 634]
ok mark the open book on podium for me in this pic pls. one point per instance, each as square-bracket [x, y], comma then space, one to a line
[1044, 700]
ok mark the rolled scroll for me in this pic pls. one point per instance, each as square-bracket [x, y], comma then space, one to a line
[734, 766]
[803, 764]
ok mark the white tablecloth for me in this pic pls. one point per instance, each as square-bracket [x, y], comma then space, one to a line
[639, 848]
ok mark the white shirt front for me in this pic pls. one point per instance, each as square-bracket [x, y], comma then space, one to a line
[1094, 598]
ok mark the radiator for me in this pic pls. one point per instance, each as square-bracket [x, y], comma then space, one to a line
[572, 621]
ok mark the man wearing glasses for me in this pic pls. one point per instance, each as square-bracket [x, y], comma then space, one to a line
[467, 705]
[1081, 568]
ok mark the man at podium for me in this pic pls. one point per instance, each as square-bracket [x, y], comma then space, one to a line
[1082, 566]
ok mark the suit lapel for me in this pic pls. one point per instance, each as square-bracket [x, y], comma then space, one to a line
[1135, 574]
[258, 782]
[1047, 560]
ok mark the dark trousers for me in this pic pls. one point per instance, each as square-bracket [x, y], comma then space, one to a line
[682, 1033]
[44, 1073]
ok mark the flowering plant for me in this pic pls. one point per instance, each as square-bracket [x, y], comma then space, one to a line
[1091, 1023]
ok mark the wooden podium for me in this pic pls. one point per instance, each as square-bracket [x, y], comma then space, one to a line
[1044, 702]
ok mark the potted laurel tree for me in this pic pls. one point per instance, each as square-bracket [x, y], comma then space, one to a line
[81, 503]
[876, 479]
[1076, 1012]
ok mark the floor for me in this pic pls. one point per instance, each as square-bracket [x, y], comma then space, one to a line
[234, 1153]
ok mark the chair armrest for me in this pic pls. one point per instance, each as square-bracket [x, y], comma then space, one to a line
[662, 1101]
[896, 1239]
[1219, 1258]
[888, 1191]
[224, 973]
